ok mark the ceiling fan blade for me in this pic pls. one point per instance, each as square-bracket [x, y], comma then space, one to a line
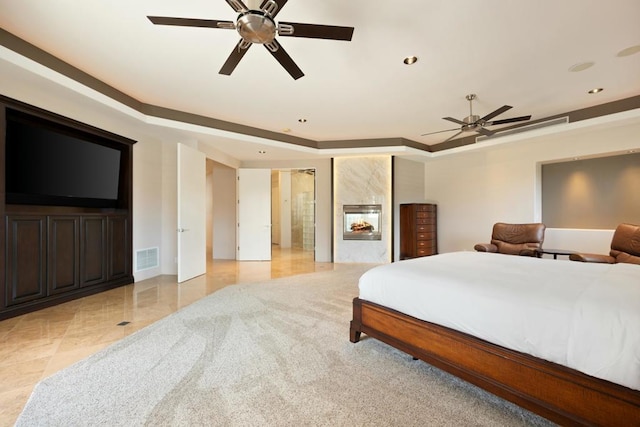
[452, 137]
[189, 22]
[233, 59]
[314, 31]
[285, 60]
[280, 4]
[237, 5]
[496, 112]
[440, 131]
[451, 119]
[512, 120]
[483, 131]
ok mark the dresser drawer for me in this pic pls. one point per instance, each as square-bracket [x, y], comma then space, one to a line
[425, 221]
[424, 214]
[430, 235]
[426, 243]
[425, 208]
[426, 228]
[426, 251]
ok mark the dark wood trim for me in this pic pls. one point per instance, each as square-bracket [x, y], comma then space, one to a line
[393, 206]
[556, 392]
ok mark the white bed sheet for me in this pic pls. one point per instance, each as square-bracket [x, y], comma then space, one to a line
[582, 315]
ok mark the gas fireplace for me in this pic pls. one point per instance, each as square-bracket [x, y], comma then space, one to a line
[362, 222]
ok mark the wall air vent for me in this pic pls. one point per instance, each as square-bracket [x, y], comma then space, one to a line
[527, 128]
[146, 259]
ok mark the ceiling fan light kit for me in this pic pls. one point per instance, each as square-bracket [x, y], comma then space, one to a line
[258, 26]
[475, 123]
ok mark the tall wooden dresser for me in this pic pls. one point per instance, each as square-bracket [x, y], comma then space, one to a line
[418, 230]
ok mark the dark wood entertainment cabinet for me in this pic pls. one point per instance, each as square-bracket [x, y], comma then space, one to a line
[54, 254]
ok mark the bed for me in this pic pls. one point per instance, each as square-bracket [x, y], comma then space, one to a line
[559, 338]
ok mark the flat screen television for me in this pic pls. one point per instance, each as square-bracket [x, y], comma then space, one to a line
[51, 164]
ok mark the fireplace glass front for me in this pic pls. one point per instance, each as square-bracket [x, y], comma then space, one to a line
[362, 222]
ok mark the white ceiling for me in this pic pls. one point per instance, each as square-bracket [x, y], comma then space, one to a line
[507, 52]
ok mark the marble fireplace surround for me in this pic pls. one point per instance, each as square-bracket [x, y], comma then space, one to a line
[362, 181]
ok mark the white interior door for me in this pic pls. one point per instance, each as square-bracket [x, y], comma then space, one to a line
[192, 227]
[254, 215]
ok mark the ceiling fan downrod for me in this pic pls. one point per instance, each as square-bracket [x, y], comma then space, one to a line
[471, 121]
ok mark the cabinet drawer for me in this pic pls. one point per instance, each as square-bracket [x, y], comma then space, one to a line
[424, 214]
[426, 208]
[426, 251]
[425, 221]
[426, 228]
[425, 243]
[430, 235]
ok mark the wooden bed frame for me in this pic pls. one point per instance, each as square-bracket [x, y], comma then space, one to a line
[555, 392]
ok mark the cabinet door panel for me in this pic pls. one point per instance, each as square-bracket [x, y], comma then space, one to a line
[25, 259]
[119, 258]
[93, 244]
[63, 256]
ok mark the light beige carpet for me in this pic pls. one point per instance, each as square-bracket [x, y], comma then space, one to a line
[266, 354]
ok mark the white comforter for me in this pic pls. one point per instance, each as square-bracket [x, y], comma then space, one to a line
[581, 315]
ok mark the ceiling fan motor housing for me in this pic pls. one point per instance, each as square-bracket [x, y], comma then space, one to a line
[472, 122]
[256, 26]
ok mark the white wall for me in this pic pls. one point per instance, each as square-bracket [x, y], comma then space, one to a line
[475, 189]
[408, 187]
[209, 203]
[224, 211]
[147, 202]
[168, 230]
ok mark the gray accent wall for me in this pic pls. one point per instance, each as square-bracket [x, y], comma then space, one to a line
[597, 193]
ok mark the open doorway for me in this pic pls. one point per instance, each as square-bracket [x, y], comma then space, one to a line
[293, 211]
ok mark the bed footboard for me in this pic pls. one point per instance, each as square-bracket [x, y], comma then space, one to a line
[556, 392]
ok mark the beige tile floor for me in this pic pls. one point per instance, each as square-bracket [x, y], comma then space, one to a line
[36, 345]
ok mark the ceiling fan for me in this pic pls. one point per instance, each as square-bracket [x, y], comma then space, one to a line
[475, 123]
[258, 25]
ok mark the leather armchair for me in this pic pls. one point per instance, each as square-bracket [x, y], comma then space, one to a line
[514, 239]
[625, 247]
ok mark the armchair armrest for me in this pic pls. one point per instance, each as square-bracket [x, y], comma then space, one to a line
[604, 259]
[530, 252]
[486, 247]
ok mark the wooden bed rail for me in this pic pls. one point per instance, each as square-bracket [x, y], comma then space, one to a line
[558, 393]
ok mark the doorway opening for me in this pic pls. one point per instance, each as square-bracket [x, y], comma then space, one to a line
[293, 211]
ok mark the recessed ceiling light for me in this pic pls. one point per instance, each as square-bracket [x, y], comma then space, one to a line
[581, 66]
[302, 120]
[629, 51]
[262, 152]
[596, 90]
[409, 60]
